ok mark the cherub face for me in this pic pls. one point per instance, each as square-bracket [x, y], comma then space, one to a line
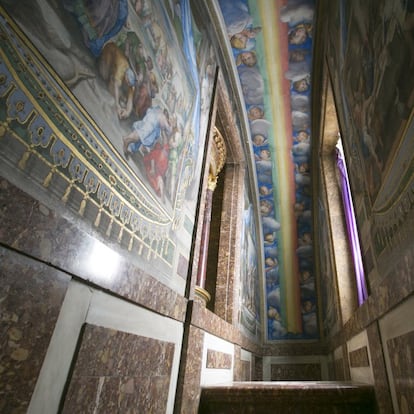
[307, 306]
[265, 207]
[306, 238]
[238, 40]
[264, 190]
[258, 139]
[265, 154]
[248, 58]
[273, 313]
[255, 113]
[305, 275]
[302, 136]
[299, 36]
[301, 85]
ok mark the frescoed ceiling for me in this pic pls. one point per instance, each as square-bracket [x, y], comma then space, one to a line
[271, 43]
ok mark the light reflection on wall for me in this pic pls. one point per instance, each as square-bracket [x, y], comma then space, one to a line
[102, 263]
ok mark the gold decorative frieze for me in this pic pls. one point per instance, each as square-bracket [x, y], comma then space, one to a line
[48, 137]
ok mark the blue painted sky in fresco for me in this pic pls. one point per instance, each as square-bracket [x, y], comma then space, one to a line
[245, 34]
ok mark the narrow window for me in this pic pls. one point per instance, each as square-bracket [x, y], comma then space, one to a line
[351, 224]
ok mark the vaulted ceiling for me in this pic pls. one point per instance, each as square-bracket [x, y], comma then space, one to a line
[268, 47]
[271, 47]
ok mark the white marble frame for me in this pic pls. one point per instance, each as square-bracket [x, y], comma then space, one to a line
[360, 374]
[214, 376]
[83, 304]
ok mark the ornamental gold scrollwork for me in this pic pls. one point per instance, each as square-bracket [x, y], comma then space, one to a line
[217, 159]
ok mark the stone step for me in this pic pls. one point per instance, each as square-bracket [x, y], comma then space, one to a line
[288, 397]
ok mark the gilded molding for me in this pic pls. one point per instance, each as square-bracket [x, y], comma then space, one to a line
[218, 158]
[58, 147]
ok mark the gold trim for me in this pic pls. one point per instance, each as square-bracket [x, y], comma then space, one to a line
[218, 158]
[221, 153]
[202, 294]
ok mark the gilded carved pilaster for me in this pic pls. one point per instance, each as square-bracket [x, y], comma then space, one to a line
[217, 161]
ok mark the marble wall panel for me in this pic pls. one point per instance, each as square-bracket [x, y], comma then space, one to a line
[210, 322]
[218, 360]
[384, 296]
[382, 390]
[295, 372]
[359, 357]
[361, 371]
[31, 296]
[294, 349]
[246, 359]
[257, 368]
[245, 371]
[98, 332]
[331, 368]
[303, 368]
[401, 352]
[188, 388]
[397, 336]
[39, 231]
[238, 364]
[228, 267]
[224, 360]
[339, 369]
[115, 371]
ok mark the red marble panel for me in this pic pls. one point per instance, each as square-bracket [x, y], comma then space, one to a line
[188, 389]
[119, 372]
[258, 369]
[31, 295]
[401, 355]
[218, 360]
[339, 369]
[296, 372]
[359, 357]
[245, 369]
[237, 369]
[294, 349]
